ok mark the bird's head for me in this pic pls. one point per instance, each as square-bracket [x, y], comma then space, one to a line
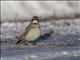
[35, 21]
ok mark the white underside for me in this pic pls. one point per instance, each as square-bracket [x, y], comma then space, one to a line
[33, 34]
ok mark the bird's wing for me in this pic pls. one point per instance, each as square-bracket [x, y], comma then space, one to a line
[21, 37]
[26, 30]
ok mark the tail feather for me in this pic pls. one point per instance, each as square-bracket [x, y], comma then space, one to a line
[18, 41]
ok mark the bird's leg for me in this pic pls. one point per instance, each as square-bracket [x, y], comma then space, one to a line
[27, 43]
[34, 43]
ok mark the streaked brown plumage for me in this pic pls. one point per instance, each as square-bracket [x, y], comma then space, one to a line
[31, 32]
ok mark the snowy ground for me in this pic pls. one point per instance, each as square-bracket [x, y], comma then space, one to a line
[67, 31]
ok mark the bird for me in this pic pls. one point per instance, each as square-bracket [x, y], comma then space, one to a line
[31, 32]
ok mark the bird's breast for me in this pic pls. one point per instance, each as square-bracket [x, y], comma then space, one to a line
[32, 34]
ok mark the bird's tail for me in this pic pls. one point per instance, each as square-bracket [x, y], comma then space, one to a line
[18, 41]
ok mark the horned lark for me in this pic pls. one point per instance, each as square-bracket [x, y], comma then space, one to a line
[31, 32]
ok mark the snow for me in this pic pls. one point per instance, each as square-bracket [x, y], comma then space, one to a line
[69, 34]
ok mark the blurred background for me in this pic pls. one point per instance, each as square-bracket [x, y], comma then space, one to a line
[61, 17]
[24, 10]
